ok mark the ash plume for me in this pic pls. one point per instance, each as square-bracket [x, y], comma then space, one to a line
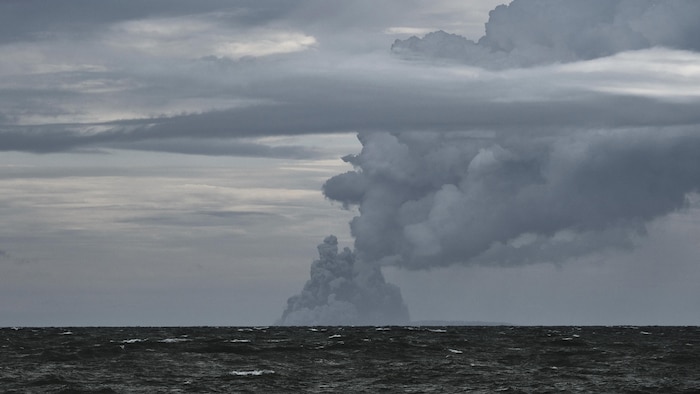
[534, 32]
[507, 196]
[344, 291]
[433, 199]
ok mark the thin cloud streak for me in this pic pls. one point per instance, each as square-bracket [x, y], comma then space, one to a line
[370, 98]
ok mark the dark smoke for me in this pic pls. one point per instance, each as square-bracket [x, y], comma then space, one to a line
[344, 291]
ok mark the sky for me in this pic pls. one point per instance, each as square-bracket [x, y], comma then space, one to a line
[531, 162]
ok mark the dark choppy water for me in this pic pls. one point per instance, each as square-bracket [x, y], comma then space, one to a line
[348, 359]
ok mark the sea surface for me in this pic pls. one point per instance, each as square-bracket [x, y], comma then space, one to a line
[350, 360]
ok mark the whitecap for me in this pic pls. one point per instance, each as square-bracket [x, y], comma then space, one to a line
[174, 340]
[455, 351]
[335, 336]
[134, 340]
[436, 330]
[239, 340]
[66, 333]
[254, 372]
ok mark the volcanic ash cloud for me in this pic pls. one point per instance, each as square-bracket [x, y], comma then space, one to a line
[433, 199]
[534, 32]
[513, 182]
[344, 290]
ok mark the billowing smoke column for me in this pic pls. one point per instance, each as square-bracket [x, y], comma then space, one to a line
[503, 196]
[344, 291]
[434, 199]
[532, 32]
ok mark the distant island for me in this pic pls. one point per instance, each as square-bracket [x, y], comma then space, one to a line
[457, 323]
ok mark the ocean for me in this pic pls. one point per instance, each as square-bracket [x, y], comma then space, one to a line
[468, 359]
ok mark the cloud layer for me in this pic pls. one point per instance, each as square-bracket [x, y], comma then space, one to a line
[203, 83]
[527, 33]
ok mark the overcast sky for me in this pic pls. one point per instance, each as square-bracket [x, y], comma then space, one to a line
[178, 162]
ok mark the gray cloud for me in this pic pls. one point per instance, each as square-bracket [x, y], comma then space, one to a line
[37, 20]
[332, 106]
[218, 147]
[59, 138]
[430, 199]
[323, 90]
[527, 33]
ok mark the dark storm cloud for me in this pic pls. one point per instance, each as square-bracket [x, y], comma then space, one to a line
[324, 117]
[57, 138]
[218, 147]
[38, 20]
[331, 106]
[526, 32]
[35, 20]
[317, 91]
